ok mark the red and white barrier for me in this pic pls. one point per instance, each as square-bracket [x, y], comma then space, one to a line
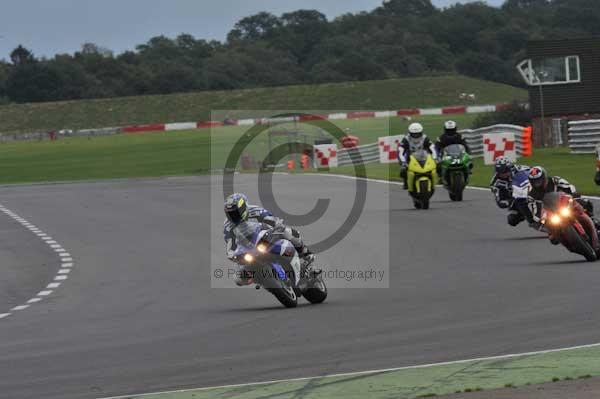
[181, 126]
[156, 127]
[326, 155]
[388, 148]
[335, 116]
[498, 145]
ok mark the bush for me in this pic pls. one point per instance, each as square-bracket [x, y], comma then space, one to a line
[513, 114]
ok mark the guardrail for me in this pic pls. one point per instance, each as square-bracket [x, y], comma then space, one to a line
[474, 138]
[584, 136]
[368, 153]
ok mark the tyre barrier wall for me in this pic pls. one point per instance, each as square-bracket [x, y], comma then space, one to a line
[523, 136]
[161, 127]
[584, 136]
[380, 152]
[368, 153]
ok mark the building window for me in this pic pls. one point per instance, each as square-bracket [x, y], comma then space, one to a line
[551, 70]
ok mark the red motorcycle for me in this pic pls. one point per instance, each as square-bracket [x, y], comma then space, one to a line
[569, 224]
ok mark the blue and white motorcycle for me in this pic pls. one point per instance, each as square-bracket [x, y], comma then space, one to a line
[270, 261]
[522, 203]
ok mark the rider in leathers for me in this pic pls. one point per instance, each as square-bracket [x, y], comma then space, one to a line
[415, 140]
[449, 137]
[238, 210]
[501, 183]
[541, 184]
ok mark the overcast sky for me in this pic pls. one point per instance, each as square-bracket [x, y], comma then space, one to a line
[56, 26]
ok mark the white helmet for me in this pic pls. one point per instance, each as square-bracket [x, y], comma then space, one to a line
[450, 125]
[415, 130]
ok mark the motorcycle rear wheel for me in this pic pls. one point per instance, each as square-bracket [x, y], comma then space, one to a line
[317, 291]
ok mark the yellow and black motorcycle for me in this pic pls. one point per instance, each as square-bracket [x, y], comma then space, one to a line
[421, 178]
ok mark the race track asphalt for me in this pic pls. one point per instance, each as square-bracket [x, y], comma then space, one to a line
[137, 313]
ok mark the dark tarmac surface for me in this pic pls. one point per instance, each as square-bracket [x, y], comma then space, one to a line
[137, 313]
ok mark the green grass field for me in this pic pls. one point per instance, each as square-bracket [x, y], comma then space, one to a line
[197, 152]
[369, 95]
[163, 154]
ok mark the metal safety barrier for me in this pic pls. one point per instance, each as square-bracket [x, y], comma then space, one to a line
[365, 154]
[474, 137]
[584, 136]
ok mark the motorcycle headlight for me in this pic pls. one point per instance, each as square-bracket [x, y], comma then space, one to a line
[262, 248]
[555, 219]
[249, 258]
[565, 212]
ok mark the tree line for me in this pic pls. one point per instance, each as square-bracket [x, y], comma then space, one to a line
[401, 38]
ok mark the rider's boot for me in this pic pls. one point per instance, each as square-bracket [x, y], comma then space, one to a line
[404, 176]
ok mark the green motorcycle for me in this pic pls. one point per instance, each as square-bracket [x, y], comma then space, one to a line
[455, 169]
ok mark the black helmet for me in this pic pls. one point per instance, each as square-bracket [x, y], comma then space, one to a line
[236, 208]
[503, 167]
[538, 178]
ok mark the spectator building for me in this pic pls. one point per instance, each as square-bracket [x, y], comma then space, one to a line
[564, 84]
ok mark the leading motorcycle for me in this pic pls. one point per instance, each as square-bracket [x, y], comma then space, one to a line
[270, 261]
[562, 219]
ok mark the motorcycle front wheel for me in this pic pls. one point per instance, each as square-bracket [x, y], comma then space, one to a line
[285, 295]
[578, 245]
[457, 187]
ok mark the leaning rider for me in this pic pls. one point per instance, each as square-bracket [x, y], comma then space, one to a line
[238, 210]
[414, 140]
[501, 183]
[449, 137]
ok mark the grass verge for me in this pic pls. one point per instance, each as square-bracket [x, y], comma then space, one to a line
[408, 383]
[164, 154]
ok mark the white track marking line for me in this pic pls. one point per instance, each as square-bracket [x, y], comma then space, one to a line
[64, 257]
[359, 373]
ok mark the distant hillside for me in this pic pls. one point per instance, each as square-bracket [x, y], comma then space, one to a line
[369, 95]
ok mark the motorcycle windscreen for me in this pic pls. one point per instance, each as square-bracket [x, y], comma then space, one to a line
[421, 157]
[455, 150]
[246, 233]
[553, 201]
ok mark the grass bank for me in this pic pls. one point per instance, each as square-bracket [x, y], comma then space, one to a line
[368, 95]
